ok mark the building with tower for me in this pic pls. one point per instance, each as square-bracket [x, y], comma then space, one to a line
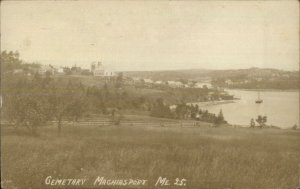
[98, 69]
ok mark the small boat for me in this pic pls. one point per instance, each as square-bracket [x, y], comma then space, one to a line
[258, 100]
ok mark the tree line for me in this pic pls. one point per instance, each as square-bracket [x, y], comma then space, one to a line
[184, 111]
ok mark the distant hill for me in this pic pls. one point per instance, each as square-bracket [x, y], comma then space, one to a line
[200, 74]
[170, 74]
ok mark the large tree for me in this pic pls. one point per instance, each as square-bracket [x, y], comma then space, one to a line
[66, 100]
[220, 118]
[10, 61]
[261, 120]
[25, 104]
[160, 109]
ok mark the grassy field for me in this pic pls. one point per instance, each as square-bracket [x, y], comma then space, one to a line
[209, 158]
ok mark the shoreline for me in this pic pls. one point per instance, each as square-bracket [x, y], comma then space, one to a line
[211, 103]
[265, 90]
[257, 127]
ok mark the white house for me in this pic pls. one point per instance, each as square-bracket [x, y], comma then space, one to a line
[148, 81]
[98, 69]
[46, 68]
[229, 82]
[158, 82]
[173, 108]
[109, 73]
[60, 71]
[203, 84]
[136, 80]
[175, 84]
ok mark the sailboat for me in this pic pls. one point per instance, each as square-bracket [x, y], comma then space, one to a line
[258, 100]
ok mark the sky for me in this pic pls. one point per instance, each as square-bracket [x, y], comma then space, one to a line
[154, 35]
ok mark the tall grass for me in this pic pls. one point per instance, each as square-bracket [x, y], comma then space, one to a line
[207, 157]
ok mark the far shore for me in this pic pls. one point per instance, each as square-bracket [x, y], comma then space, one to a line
[265, 90]
[211, 103]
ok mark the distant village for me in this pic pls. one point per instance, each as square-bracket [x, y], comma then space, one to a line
[98, 69]
[101, 71]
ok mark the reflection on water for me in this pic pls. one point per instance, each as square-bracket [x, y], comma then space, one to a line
[281, 108]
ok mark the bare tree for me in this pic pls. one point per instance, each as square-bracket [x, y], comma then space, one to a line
[261, 120]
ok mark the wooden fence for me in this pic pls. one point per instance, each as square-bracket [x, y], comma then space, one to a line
[108, 121]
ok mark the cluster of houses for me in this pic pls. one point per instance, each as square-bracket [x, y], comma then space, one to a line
[97, 69]
[216, 94]
[172, 84]
[74, 70]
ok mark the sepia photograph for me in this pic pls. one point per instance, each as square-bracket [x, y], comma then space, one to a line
[149, 94]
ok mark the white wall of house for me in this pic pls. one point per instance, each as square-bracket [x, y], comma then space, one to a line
[109, 73]
[60, 71]
[45, 69]
[201, 85]
[175, 84]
